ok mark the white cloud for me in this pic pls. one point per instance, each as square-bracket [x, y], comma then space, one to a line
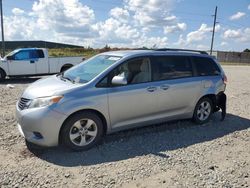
[70, 18]
[175, 28]
[230, 33]
[248, 7]
[237, 16]
[181, 42]
[196, 39]
[19, 28]
[201, 33]
[120, 14]
[136, 23]
[58, 20]
[150, 42]
[151, 13]
[17, 11]
[202, 47]
[239, 35]
[115, 32]
[223, 43]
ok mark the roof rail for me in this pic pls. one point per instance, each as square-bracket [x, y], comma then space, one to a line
[181, 50]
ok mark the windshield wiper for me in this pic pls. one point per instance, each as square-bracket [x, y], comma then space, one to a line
[66, 78]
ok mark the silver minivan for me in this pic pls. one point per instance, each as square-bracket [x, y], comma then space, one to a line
[118, 90]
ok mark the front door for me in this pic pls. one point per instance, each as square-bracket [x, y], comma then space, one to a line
[134, 102]
[21, 63]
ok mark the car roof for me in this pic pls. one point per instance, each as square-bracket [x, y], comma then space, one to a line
[30, 48]
[127, 53]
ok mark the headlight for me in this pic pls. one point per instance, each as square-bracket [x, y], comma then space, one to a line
[43, 101]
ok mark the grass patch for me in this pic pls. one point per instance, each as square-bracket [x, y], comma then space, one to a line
[62, 52]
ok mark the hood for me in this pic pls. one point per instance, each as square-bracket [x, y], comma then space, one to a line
[47, 87]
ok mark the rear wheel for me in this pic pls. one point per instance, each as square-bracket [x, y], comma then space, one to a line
[2, 75]
[82, 131]
[65, 68]
[203, 111]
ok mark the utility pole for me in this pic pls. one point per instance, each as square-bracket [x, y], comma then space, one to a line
[3, 44]
[212, 42]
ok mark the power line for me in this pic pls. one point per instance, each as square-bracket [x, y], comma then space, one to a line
[238, 26]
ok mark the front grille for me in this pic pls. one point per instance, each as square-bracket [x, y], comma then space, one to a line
[22, 103]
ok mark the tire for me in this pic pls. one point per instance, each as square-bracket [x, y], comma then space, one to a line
[2, 75]
[203, 111]
[82, 131]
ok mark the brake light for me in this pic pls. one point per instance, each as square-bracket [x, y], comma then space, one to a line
[224, 79]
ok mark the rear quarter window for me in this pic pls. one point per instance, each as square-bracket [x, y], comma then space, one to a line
[40, 53]
[205, 66]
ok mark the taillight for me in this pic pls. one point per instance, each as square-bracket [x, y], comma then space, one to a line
[224, 79]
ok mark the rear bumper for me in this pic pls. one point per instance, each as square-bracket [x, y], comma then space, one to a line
[40, 126]
[221, 103]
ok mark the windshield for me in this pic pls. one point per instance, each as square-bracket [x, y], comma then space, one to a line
[90, 68]
[13, 52]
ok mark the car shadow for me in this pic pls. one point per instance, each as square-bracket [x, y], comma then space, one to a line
[156, 140]
[19, 80]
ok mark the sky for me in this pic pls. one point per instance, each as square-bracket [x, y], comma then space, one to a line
[130, 23]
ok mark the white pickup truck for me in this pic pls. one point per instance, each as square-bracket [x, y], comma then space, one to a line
[34, 61]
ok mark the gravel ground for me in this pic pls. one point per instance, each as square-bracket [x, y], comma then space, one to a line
[176, 154]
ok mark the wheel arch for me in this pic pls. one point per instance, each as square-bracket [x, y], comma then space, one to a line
[67, 65]
[212, 97]
[99, 114]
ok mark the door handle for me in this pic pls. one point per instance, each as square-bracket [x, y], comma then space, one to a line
[151, 89]
[164, 87]
[32, 61]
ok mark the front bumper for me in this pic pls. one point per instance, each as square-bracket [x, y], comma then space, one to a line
[40, 126]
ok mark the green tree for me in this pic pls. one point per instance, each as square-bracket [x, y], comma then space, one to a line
[246, 50]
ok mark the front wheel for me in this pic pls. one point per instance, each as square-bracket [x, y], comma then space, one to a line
[82, 131]
[203, 111]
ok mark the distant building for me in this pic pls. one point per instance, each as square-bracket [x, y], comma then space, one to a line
[11, 45]
[233, 57]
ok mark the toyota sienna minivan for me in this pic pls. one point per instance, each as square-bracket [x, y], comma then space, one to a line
[119, 90]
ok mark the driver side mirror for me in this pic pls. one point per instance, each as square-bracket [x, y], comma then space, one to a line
[9, 58]
[119, 80]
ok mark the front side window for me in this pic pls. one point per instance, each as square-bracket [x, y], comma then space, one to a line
[205, 66]
[171, 67]
[22, 55]
[89, 69]
[135, 71]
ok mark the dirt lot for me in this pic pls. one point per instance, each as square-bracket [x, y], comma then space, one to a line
[177, 154]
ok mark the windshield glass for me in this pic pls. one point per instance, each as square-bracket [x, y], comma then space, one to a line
[90, 68]
[13, 52]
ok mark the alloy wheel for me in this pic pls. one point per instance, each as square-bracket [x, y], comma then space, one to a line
[204, 111]
[83, 132]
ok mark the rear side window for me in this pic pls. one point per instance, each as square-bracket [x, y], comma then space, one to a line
[205, 66]
[34, 54]
[40, 53]
[171, 67]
